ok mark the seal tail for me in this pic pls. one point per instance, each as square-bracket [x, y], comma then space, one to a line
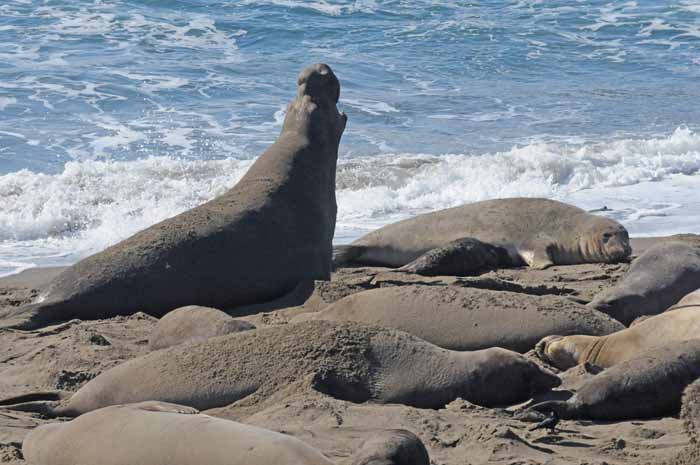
[563, 409]
[46, 403]
[344, 255]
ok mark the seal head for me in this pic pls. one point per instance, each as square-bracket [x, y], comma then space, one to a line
[605, 240]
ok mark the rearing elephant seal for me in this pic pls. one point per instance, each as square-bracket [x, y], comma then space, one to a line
[605, 351]
[159, 433]
[659, 278]
[256, 242]
[536, 232]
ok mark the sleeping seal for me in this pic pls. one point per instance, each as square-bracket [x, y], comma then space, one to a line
[605, 351]
[656, 280]
[459, 318]
[649, 385]
[690, 299]
[344, 360]
[193, 324]
[256, 242]
[536, 232]
[159, 433]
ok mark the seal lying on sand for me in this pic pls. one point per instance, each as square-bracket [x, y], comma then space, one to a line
[158, 433]
[193, 324]
[649, 385]
[656, 280]
[255, 243]
[345, 360]
[459, 318]
[605, 351]
[537, 232]
[392, 447]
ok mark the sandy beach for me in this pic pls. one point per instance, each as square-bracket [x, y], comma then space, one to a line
[67, 355]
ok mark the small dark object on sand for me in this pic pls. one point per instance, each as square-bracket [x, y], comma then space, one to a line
[550, 422]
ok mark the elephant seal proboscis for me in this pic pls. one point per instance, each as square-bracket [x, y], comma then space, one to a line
[348, 361]
[459, 318]
[536, 232]
[649, 385]
[271, 231]
[193, 324]
[459, 258]
[159, 433]
[655, 281]
[565, 352]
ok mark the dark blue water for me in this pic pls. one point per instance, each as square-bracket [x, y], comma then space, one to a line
[116, 114]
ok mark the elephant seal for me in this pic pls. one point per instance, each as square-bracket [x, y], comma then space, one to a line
[193, 324]
[690, 413]
[649, 385]
[565, 352]
[392, 447]
[459, 258]
[159, 433]
[656, 280]
[345, 360]
[536, 232]
[458, 318]
[271, 231]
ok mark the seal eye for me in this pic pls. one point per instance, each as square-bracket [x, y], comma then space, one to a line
[606, 237]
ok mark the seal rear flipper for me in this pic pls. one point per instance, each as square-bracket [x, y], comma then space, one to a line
[44, 403]
[27, 317]
[344, 255]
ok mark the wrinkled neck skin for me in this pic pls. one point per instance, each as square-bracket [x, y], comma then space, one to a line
[569, 351]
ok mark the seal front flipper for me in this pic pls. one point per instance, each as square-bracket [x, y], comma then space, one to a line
[538, 252]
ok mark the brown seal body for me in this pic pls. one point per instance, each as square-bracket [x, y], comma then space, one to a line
[649, 385]
[193, 324]
[459, 258]
[158, 433]
[660, 277]
[344, 360]
[565, 352]
[253, 244]
[459, 318]
[537, 232]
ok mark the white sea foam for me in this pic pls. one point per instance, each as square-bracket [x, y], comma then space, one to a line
[92, 204]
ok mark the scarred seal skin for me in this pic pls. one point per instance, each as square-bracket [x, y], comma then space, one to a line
[536, 232]
[270, 232]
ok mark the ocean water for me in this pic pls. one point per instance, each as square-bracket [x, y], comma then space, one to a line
[116, 114]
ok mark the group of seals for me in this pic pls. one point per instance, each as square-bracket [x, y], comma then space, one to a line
[536, 232]
[648, 385]
[271, 231]
[605, 351]
[661, 276]
[344, 360]
[459, 318]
